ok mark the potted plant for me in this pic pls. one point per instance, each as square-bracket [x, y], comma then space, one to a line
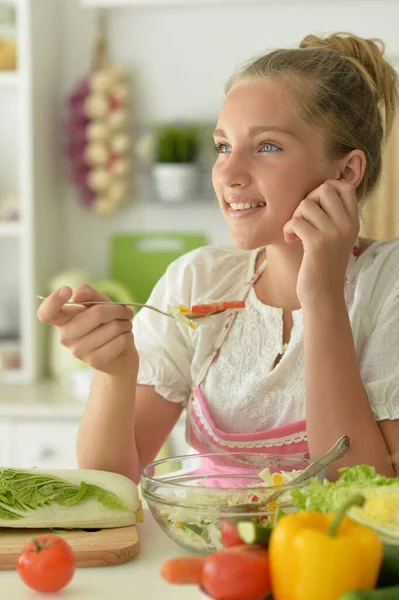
[175, 169]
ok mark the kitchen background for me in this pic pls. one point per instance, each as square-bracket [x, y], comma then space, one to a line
[94, 97]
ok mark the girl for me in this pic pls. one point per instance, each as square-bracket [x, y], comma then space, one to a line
[315, 353]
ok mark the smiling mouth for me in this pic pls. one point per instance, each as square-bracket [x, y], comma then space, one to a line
[246, 205]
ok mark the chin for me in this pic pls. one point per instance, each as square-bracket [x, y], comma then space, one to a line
[247, 242]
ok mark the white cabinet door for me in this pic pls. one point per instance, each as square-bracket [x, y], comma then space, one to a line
[5, 436]
[44, 443]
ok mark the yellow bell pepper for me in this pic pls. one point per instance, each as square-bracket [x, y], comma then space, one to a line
[319, 557]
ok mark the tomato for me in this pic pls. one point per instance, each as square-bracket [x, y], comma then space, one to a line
[230, 536]
[208, 309]
[236, 576]
[46, 564]
[249, 549]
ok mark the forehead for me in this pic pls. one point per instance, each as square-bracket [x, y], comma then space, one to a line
[255, 103]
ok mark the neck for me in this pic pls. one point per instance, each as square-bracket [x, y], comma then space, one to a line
[277, 285]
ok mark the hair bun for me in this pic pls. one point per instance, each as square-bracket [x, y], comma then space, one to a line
[367, 55]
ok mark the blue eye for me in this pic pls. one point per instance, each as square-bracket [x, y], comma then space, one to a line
[222, 148]
[268, 147]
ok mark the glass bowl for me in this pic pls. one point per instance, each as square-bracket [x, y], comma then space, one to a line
[190, 496]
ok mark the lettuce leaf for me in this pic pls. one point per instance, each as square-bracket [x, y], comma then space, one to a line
[326, 496]
[380, 511]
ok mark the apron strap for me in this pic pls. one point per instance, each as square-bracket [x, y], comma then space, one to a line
[227, 326]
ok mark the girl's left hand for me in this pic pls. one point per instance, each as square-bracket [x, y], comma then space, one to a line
[327, 223]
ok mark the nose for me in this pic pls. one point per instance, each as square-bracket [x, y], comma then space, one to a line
[235, 172]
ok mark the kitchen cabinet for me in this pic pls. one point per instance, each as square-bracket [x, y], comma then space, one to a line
[4, 444]
[39, 424]
[44, 443]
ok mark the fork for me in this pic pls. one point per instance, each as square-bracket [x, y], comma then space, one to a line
[340, 447]
[190, 316]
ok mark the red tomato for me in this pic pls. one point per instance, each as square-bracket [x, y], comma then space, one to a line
[236, 576]
[230, 535]
[249, 549]
[46, 564]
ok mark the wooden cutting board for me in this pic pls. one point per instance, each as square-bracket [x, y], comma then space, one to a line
[100, 548]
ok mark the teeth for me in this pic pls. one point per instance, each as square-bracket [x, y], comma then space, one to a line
[246, 205]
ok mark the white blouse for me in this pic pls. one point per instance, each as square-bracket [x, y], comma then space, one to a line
[244, 392]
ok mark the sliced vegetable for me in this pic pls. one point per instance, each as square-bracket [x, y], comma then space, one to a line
[69, 498]
[183, 570]
[236, 576]
[252, 533]
[388, 593]
[230, 535]
[46, 564]
[181, 314]
[194, 528]
[214, 508]
[208, 309]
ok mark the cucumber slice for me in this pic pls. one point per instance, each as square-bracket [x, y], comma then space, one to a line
[251, 533]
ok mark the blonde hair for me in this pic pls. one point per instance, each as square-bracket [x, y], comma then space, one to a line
[343, 85]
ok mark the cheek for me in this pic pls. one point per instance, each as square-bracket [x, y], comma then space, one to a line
[282, 191]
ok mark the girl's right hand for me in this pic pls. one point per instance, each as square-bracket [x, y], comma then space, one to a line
[99, 335]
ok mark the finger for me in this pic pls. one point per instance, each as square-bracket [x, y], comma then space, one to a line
[85, 293]
[98, 338]
[331, 202]
[52, 310]
[347, 193]
[296, 228]
[93, 317]
[111, 351]
[314, 214]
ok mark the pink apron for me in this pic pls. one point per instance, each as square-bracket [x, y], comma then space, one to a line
[202, 433]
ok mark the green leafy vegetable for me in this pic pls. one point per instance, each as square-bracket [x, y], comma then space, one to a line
[380, 511]
[33, 496]
[195, 528]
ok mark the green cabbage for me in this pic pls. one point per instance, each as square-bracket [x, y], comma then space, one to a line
[70, 498]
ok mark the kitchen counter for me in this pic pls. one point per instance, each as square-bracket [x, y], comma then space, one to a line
[46, 398]
[138, 579]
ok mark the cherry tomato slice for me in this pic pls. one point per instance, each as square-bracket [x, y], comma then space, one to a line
[207, 309]
[230, 535]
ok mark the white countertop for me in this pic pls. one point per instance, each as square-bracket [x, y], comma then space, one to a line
[45, 398]
[138, 579]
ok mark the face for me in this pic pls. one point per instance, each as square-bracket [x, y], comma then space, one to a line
[268, 161]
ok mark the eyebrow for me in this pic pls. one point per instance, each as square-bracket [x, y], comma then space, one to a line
[253, 131]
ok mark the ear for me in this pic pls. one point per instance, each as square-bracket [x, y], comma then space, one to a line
[352, 167]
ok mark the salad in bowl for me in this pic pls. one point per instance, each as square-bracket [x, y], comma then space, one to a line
[192, 496]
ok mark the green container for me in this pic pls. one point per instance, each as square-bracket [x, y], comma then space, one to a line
[139, 260]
